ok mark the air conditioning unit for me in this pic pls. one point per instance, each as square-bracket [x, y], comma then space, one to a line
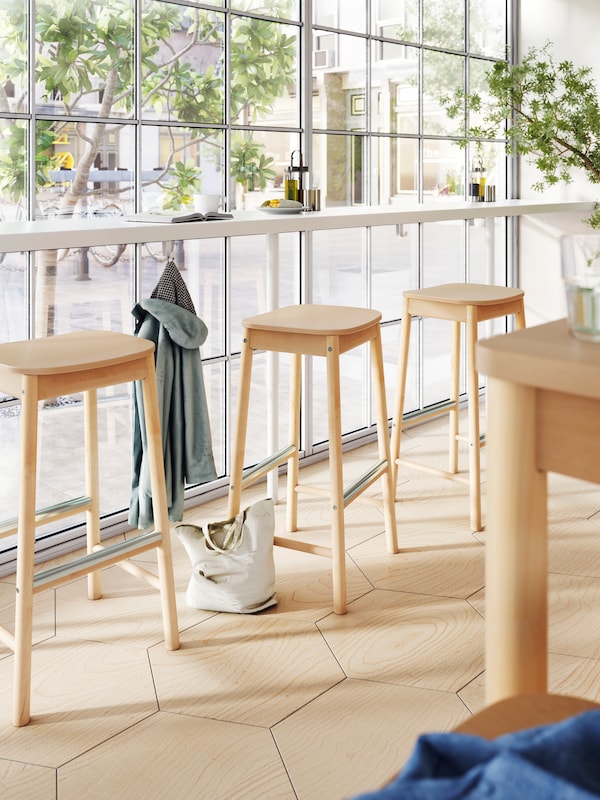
[323, 58]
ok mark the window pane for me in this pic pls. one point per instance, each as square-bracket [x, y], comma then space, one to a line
[478, 84]
[264, 64]
[88, 168]
[444, 23]
[341, 14]
[84, 65]
[395, 260]
[394, 169]
[339, 168]
[487, 27]
[487, 240]
[339, 262]
[492, 156]
[182, 63]
[179, 164]
[443, 252]
[442, 75]
[396, 19]
[285, 9]
[258, 159]
[394, 88]
[14, 168]
[13, 299]
[339, 84]
[14, 28]
[443, 168]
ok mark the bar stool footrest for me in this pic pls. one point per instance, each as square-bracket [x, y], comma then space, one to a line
[305, 547]
[261, 469]
[49, 514]
[105, 556]
[431, 412]
[457, 477]
[358, 486]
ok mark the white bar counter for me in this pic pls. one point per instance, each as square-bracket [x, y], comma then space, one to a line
[59, 232]
[543, 416]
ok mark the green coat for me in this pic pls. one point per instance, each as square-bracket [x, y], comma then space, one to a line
[187, 446]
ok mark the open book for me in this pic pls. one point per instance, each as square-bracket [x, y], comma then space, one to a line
[193, 216]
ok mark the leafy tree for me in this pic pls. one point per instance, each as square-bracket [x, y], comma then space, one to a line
[550, 111]
[85, 70]
[84, 52]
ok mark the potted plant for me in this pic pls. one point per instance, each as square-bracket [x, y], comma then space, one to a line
[548, 111]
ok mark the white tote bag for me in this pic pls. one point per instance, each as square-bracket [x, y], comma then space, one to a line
[233, 566]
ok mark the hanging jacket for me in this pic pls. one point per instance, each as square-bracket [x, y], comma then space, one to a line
[177, 334]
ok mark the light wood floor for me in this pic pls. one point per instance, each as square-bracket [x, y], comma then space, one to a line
[293, 703]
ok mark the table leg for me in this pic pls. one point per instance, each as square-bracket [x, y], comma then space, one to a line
[516, 547]
[272, 295]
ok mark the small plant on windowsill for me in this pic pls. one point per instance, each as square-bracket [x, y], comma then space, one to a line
[551, 112]
[184, 181]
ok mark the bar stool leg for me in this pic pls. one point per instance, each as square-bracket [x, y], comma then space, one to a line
[92, 486]
[398, 409]
[294, 428]
[454, 396]
[336, 476]
[383, 443]
[237, 460]
[474, 432]
[160, 509]
[25, 553]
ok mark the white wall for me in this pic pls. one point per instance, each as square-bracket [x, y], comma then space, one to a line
[571, 26]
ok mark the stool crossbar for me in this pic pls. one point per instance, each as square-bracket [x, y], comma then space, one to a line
[326, 331]
[458, 303]
[41, 369]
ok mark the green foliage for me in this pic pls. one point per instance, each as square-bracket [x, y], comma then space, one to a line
[13, 172]
[185, 180]
[264, 60]
[550, 112]
[84, 51]
[249, 165]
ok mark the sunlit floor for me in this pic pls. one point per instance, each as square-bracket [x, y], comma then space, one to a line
[294, 702]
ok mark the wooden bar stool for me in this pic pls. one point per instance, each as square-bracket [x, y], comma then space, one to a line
[328, 331]
[468, 303]
[524, 711]
[65, 364]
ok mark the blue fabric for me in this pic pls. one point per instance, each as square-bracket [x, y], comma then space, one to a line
[549, 762]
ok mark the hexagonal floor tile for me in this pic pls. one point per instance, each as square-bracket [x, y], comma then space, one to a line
[82, 694]
[254, 669]
[411, 639]
[26, 781]
[339, 723]
[430, 561]
[304, 585]
[129, 611]
[173, 755]
[43, 614]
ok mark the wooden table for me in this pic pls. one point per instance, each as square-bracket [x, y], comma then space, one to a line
[543, 416]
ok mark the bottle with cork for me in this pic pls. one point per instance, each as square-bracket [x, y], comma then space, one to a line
[295, 178]
[477, 180]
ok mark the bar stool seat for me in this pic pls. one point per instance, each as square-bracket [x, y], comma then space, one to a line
[524, 711]
[468, 303]
[41, 369]
[327, 331]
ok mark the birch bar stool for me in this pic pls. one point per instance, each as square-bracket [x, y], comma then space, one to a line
[327, 331]
[468, 303]
[524, 711]
[65, 364]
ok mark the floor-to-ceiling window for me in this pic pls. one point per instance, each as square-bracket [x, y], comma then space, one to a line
[115, 106]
